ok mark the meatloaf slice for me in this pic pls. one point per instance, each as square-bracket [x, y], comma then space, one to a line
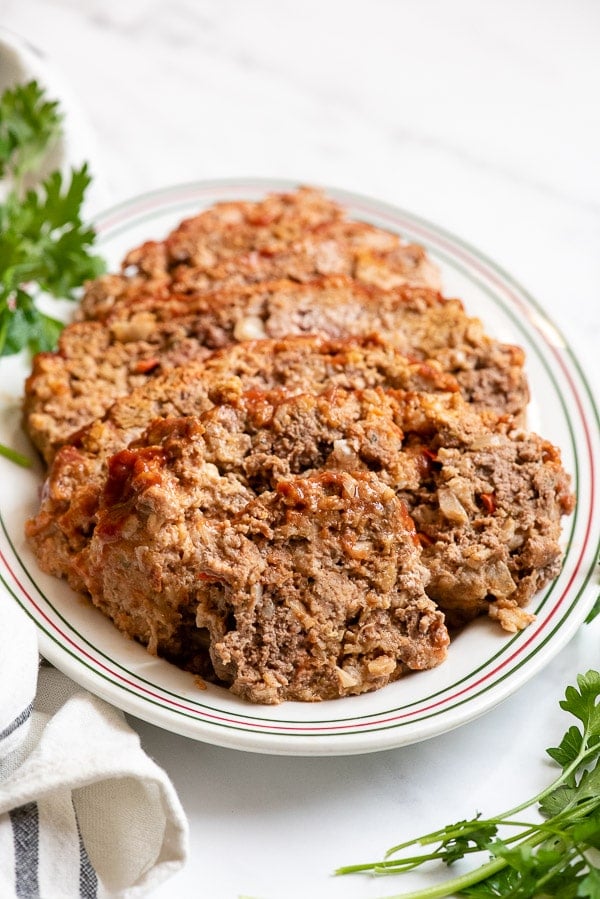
[299, 236]
[66, 517]
[310, 591]
[93, 366]
[96, 363]
[489, 518]
[487, 506]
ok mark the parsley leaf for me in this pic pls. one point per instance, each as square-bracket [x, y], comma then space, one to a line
[43, 240]
[29, 123]
[589, 887]
[466, 837]
[569, 749]
[27, 326]
[44, 245]
[594, 612]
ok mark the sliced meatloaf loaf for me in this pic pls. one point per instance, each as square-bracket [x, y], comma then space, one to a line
[309, 591]
[97, 362]
[66, 518]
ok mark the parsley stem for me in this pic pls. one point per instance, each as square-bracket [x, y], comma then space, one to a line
[457, 884]
[582, 757]
[460, 883]
[408, 862]
[3, 330]
[14, 456]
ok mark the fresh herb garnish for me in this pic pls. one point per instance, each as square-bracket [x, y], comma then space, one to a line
[15, 456]
[557, 857]
[29, 124]
[44, 245]
[594, 611]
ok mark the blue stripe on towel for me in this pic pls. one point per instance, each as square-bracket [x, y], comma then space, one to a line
[25, 827]
[19, 720]
[88, 879]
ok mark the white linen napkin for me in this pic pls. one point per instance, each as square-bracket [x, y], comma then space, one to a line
[84, 812]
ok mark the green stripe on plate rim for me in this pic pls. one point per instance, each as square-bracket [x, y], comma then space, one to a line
[503, 651]
[282, 730]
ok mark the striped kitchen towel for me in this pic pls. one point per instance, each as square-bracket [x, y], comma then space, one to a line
[83, 811]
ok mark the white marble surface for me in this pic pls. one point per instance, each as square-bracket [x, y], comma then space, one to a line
[481, 117]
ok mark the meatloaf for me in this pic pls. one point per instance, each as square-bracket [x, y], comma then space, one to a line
[309, 591]
[97, 362]
[66, 517]
[280, 458]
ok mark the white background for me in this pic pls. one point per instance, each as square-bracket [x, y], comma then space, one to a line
[484, 118]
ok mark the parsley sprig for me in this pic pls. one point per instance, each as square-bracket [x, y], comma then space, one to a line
[29, 124]
[45, 248]
[557, 857]
[44, 245]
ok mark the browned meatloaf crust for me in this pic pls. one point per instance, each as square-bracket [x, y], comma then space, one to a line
[309, 591]
[298, 235]
[97, 362]
[66, 518]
